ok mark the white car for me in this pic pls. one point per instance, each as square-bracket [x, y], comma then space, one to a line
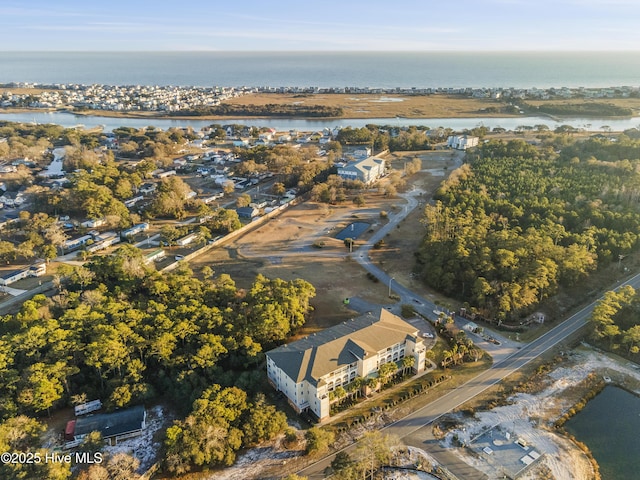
[427, 335]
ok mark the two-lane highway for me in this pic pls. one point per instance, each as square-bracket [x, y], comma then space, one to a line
[409, 427]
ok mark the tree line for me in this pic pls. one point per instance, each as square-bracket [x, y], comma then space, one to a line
[516, 222]
[268, 110]
[119, 331]
[393, 138]
[614, 321]
[576, 109]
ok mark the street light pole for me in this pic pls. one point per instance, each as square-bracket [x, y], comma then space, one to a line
[391, 280]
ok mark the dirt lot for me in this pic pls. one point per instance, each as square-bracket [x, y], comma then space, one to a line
[284, 247]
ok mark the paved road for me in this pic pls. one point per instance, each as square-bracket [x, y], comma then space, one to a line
[415, 428]
[508, 357]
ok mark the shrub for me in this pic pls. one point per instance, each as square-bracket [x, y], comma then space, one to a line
[407, 311]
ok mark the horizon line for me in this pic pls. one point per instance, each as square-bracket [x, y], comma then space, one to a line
[447, 51]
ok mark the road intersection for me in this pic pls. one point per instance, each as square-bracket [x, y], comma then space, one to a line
[508, 357]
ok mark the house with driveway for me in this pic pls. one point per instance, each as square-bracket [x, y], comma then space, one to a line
[307, 370]
[462, 142]
[367, 170]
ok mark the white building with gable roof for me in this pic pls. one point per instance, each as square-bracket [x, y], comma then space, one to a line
[308, 369]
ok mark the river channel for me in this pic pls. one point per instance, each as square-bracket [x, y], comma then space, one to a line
[285, 124]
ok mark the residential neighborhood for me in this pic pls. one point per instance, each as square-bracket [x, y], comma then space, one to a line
[121, 98]
[161, 224]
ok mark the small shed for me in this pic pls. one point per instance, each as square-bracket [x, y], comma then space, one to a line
[68, 431]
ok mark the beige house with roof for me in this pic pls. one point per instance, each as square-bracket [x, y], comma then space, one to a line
[308, 369]
[367, 170]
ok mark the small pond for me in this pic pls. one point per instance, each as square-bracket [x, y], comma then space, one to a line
[609, 426]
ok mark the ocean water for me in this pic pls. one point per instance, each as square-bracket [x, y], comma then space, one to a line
[326, 69]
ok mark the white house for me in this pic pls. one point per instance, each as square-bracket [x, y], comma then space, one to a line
[187, 239]
[139, 228]
[147, 188]
[362, 152]
[462, 142]
[308, 369]
[14, 276]
[367, 170]
[132, 201]
[93, 223]
[154, 256]
[75, 243]
[166, 174]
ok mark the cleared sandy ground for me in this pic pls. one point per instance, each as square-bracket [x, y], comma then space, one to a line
[283, 247]
[531, 417]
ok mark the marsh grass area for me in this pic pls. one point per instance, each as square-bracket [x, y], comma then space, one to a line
[378, 105]
[385, 105]
[421, 106]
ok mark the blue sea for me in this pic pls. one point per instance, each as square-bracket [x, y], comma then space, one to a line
[326, 69]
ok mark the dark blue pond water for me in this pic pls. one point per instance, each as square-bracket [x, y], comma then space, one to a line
[609, 426]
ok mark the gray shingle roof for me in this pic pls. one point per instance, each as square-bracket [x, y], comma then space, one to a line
[112, 424]
[325, 351]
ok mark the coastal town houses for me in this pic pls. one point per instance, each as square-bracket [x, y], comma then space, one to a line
[462, 142]
[367, 170]
[306, 371]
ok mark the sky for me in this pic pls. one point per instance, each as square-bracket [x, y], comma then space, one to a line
[327, 25]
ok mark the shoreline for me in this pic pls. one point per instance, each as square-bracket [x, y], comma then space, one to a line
[154, 116]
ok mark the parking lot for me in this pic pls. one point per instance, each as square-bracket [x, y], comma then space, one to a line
[504, 451]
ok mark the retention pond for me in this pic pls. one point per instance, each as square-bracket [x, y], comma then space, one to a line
[609, 426]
